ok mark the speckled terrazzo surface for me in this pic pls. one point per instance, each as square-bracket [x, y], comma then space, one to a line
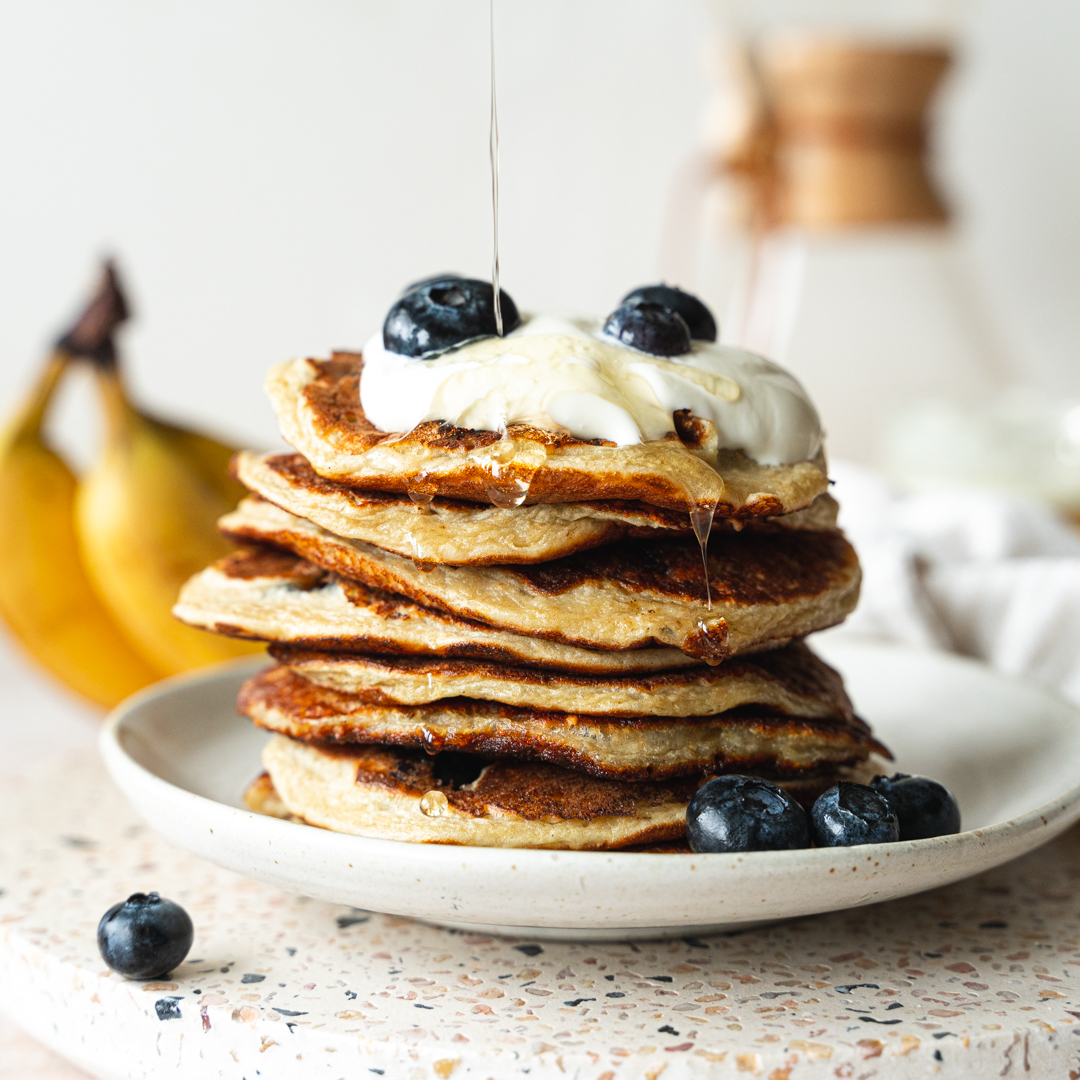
[979, 979]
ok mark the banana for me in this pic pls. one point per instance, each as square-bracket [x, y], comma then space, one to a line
[146, 515]
[45, 596]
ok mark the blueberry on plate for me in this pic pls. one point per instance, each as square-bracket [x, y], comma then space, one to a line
[698, 318]
[144, 937]
[439, 313]
[923, 807]
[744, 813]
[849, 814]
[649, 328]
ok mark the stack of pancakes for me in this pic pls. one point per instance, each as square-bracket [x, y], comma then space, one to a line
[508, 639]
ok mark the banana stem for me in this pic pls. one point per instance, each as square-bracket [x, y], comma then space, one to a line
[91, 337]
[118, 409]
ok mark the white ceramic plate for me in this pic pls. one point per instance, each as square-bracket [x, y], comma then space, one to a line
[1009, 750]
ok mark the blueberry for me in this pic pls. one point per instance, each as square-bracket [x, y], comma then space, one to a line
[695, 314]
[438, 313]
[850, 814]
[650, 328]
[414, 285]
[144, 937]
[922, 806]
[744, 813]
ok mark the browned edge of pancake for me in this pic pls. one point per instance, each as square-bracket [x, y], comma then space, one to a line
[296, 471]
[794, 667]
[767, 569]
[319, 716]
[531, 790]
[336, 417]
[285, 567]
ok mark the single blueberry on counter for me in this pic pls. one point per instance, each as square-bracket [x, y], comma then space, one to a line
[649, 328]
[744, 813]
[144, 937]
[849, 814]
[698, 318]
[923, 807]
[439, 313]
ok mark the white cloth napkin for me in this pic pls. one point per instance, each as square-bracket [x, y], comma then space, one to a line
[989, 576]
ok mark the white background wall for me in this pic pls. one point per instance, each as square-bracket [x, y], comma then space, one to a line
[270, 173]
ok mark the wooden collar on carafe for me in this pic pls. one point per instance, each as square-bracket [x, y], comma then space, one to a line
[840, 136]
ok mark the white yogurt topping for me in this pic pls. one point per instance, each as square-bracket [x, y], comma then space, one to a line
[564, 374]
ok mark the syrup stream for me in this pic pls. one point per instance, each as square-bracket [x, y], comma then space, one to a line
[701, 517]
[493, 151]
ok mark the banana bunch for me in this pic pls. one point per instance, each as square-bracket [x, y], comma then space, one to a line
[90, 568]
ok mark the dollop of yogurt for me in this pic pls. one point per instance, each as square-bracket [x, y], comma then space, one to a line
[563, 374]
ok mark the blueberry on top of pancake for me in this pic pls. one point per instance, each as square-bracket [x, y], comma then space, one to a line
[649, 328]
[440, 313]
[698, 318]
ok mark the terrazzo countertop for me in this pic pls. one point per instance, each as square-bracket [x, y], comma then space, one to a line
[977, 979]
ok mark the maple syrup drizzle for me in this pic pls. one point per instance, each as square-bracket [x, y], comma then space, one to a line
[701, 517]
[509, 496]
[493, 152]
[507, 491]
[434, 804]
[432, 740]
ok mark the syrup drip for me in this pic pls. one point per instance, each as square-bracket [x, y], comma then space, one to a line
[508, 495]
[701, 517]
[433, 740]
[421, 498]
[502, 453]
[493, 153]
[710, 643]
[434, 804]
[708, 634]
[425, 566]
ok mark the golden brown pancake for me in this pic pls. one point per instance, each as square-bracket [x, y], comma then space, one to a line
[790, 680]
[262, 797]
[272, 595]
[318, 409]
[643, 748]
[767, 587]
[395, 794]
[471, 534]
[449, 530]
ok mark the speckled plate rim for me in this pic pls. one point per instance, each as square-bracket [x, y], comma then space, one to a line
[570, 894]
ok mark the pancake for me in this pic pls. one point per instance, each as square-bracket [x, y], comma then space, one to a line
[449, 530]
[317, 403]
[395, 794]
[768, 587]
[383, 792]
[469, 534]
[262, 797]
[270, 595]
[644, 748]
[790, 680]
